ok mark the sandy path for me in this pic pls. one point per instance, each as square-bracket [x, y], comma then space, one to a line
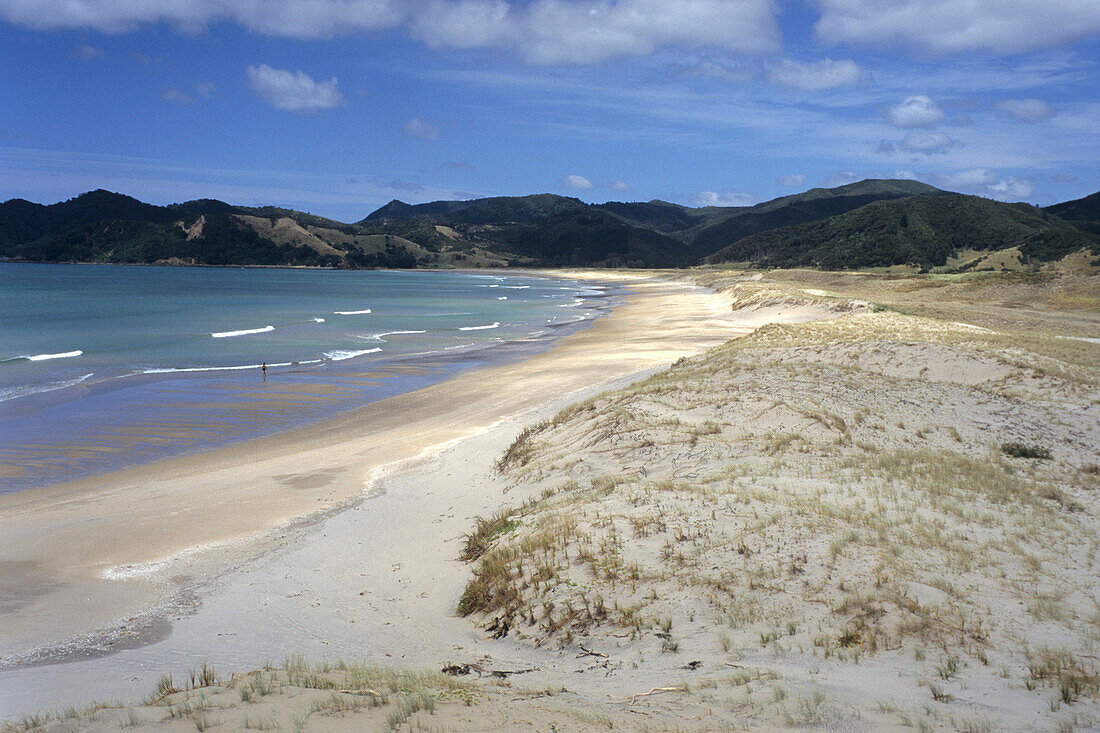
[89, 554]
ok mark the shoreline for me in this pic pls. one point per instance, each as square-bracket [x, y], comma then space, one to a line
[199, 514]
[201, 405]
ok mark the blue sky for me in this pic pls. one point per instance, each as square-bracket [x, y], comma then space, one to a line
[338, 106]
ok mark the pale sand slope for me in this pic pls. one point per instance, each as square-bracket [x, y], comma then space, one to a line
[87, 557]
[829, 503]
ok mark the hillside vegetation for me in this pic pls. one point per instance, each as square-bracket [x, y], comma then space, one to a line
[872, 223]
[923, 231]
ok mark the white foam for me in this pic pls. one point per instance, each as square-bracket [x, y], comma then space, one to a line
[382, 336]
[63, 355]
[479, 328]
[156, 567]
[516, 287]
[245, 332]
[237, 368]
[342, 355]
[318, 320]
[503, 297]
[396, 333]
[23, 391]
[352, 313]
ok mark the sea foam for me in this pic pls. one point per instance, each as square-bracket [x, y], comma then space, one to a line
[342, 355]
[63, 355]
[479, 328]
[245, 332]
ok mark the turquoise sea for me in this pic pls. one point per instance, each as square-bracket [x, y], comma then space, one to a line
[104, 367]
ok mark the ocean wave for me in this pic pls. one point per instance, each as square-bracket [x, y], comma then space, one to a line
[503, 297]
[352, 313]
[516, 287]
[382, 336]
[574, 304]
[245, 332]
[395, 333]
[317, 320]
[62, 355]
[342, 355]
[235, 368]
[575, 319]
[26, 390]
[479, 328]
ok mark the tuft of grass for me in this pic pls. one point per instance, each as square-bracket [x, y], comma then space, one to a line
[1021, 450]
[521, 450]
[486, 530]
[405, 706]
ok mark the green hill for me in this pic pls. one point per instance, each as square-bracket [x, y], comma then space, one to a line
[1084, 209]
[866, 224]
[817, 203]
[923, 231]
[499, 209]
[1083, 213]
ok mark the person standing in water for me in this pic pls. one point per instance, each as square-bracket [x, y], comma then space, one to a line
[263, 368]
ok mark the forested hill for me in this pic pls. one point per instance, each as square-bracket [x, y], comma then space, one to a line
[866, 224]
[924, 231]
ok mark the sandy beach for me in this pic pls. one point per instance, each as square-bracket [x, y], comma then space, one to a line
[94, 564]
[848, 518]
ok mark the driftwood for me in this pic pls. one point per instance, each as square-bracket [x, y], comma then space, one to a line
[655, 691]
[460, 670]
[586, 652]
[364, 691]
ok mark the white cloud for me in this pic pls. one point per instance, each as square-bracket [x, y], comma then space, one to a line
[927, 143]
[579, 183]
[905, 175]
[824, 74]
[952, 26]
[1025, 110]
[915, 111]
[971, 178]
[538, 31]
[620, 186]
[1012, 189]
[984, 182]
[205, 88]
[293, 91]
[591, 31]
[794, 180]
[724, 198]
[295, 18]
[421, 130]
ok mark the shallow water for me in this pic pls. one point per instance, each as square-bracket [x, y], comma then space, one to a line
[104, 367]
